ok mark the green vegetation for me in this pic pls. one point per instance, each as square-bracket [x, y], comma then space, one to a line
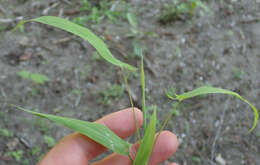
[17, 155]
[181, 10]
[43, 125]
[34, 77]
[49, 141]
[115, 91]
[5, 132]
[2, 27]
[238, 73]
[95, 12]
[196, 159]
[35, 150]
[102, 134]
[96, 56]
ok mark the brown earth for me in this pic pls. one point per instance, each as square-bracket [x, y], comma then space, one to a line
[221, 50]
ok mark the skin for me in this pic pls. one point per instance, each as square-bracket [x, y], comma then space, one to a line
[77, 149]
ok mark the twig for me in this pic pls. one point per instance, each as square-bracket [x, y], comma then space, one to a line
[9, 20]
[77, 101]
[150, 68]
[212, 163]
[46, 10]
[3, 10]
[3, 92]
[118, 48]
[195, 106]
[113, 7]
[67, 2]
[61, 12]
[213, 149]
[62, 40]
[254, 20]
[77, 85]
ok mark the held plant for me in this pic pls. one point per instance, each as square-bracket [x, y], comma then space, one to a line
[100, 133]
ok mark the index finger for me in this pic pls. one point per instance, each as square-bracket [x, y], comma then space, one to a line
[79, 149]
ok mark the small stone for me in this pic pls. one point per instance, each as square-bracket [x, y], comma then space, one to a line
[25, 41]
[12, 144]
[220, 160]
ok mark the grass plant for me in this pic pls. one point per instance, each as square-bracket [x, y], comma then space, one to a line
[34, 77]
[95, 12]
[102, 134]
[180, 10]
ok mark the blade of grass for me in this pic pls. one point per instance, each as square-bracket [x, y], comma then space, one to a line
[146, 147]
[82, 32]
[131, 19]
[203, 6]
[211, 90]
[143, 93]
[97, 132]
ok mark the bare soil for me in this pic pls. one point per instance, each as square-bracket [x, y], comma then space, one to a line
[222, 50]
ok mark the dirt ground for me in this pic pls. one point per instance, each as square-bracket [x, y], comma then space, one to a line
[221, 49]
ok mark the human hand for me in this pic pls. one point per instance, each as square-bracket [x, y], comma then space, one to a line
[77, 149]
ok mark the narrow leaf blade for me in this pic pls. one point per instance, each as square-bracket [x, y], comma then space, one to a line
[212, 90]
[203, 6]
[143, 93]
[82, 32]
[146, 147]
[131, 19]
[97, 132]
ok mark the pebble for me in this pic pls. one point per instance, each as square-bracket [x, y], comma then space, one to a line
[12, 144]
[220, 160]
[25, 41]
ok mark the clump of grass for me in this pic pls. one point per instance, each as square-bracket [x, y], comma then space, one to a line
[113, 92]
[17, 155]
[95, 12]
[181, 10]
[102, 134]
[34, 77]
[49, 141]
[5, 132]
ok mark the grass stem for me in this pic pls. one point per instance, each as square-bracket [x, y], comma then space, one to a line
[166, 121]
[132, 105]
[143, 93]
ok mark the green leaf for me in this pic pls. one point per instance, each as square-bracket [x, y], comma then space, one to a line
[97, 132]
[146, 146]
[211, 90]
[132, 19]
[203, 6]
[82, 32]
[39, 78]
[49, 141]
[196, 159]
[24, 74]
[36, 78]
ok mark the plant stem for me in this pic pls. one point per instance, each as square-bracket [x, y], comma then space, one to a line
[132, 105]
[165, 122]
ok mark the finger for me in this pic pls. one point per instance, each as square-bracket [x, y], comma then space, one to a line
[79, 149]
[165, 147]
[172, 164]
